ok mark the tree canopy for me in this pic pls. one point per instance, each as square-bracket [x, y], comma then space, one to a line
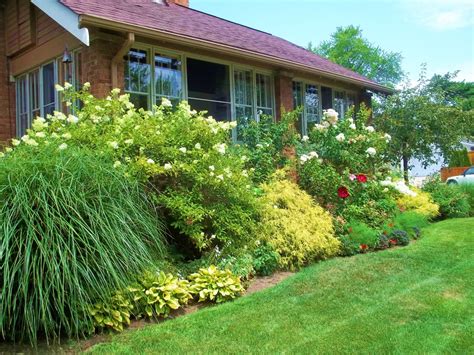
[350, 49]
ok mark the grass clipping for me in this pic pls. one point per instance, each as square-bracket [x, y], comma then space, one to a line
[295, 226]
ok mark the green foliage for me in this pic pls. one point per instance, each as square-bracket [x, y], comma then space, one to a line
[73, 230]
[451, 92]
[112, 314]
[157, 294]
[266, 261]
[452, 201]
[411, 222]
[421, 125]
[347, 47]
[349, 247]
[400, 237]
[241, 264]
[420, 202]
[199, 184]
[215, 285]
[299, 230]
[468, 190]
[264, 143]
[363, 235]
[458, 158]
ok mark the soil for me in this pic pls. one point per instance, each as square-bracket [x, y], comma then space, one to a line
[256, 284]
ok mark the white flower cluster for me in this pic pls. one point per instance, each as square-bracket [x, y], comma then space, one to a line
[400, 186]
[306, 157]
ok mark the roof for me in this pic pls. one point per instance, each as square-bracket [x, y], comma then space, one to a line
[184, 21]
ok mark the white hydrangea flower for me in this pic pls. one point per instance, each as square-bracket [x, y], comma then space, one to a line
[66, 135]
[233, 124]
[168, 166]
[243, 158]
[340, 137]
[259, 146]
[352, 126]
[8, 150]
[304, 158]
[117, 164]
[245, 173]
[370, 129]
[220, 148]
[313, 154]
[150, 161]
[40, 135]
[62, 146]
[183, 150]
[58, 88]
[67, 85]
[319, 127]
[115, 91]
[86, 86]
[128, 141]
[371, 151]
[212, 168]
[220, 177]
[2, 155]
[387, 137]
[197, 146]
[32, 142]
[166, 103]
[305, 139]
[113, 145]
[72, 119]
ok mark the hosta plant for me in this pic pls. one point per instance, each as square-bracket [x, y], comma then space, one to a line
[215, 285]
[157, 294]
[114, 314]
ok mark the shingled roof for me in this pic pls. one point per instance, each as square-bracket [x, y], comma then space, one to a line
[175, 19]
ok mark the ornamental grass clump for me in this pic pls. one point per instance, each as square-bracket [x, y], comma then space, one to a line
[298, 229]
[73, 230]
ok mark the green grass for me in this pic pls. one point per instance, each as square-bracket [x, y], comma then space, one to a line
[414, 299]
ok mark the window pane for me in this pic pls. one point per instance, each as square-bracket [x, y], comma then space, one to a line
[34, 94]
[22, 105]
[326, 97]
[49, 93]
[339, 103]
[243, 88]
[140, 101]
[264, 94]
[220, 111]
[209, 81]
[168, 77]
[311, 104]
[244, 115]
[137, 71]
[350, 100]
[298, 102]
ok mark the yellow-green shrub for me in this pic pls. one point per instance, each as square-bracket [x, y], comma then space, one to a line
[295, 226]
[421, 203]
[215, 285]
[113, 314]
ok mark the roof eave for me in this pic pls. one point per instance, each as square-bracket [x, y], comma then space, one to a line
[101, 22]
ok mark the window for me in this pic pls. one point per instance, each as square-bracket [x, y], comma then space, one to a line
[326, 98]
[243, 98]
[264, 88]
[209, 88]
[340, 102]
[350, 100]
[298, 102]
[138, 77]
[35, 95]
[168, 78]
[307, 96]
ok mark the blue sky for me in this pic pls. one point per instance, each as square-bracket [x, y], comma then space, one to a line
[437, 32]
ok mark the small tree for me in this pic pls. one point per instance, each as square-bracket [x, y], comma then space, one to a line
[422, 125]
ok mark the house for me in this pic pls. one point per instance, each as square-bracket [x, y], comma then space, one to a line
[160, 48]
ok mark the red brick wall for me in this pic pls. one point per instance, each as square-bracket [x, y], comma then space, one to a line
[97, 62]
[283, 94]
[180, 2]
[7, 113]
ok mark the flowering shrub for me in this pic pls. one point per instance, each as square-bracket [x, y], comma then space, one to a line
[215, 285]
[452, 201]
[299, 230]
[419, 202]
[200, 185]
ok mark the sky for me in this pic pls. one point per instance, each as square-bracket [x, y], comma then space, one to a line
[439, 33]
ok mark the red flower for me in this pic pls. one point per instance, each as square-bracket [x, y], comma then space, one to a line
[342, 192]
[361, 178]
[393, 241]
[364, 247]
[391, 225]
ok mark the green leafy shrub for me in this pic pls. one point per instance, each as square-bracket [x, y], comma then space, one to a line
[113, 314]
[451, 199]
[264, 143]
[459, 158]
[363, 235]
[383, 242]
[265, 259]
[400, 237]
[73, 230]
[215, 285]
[299, 230]
[241, 264]
[420, 202]
[157, 294]
[468, 190]
[348, 247]
[198, 182]
[411, 222]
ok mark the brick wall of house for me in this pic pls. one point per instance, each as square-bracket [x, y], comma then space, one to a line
[97, 62]
[283, 94]
[6, 89]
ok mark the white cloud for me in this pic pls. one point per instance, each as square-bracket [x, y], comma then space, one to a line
[441, 14]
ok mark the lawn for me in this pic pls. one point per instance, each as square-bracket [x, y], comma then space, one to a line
[414, 299]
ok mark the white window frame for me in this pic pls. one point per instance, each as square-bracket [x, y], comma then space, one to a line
[26, 75]
[183, 55]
